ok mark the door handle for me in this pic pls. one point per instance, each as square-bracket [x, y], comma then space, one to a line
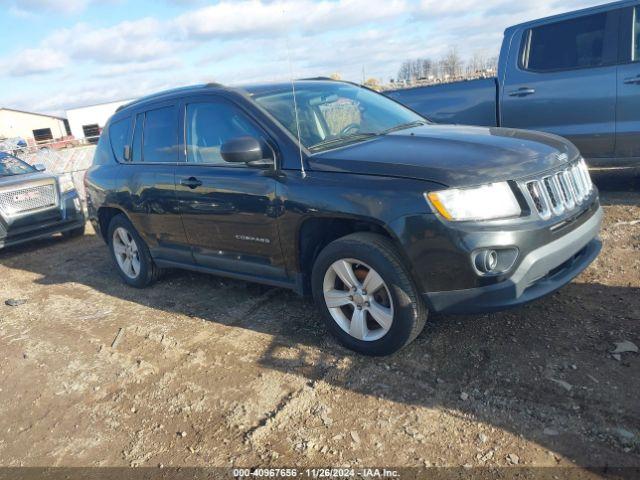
[632, 80]
[522, 92]
[191, 182]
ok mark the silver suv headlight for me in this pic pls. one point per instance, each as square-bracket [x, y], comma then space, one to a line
[486, 202]
[66, 183]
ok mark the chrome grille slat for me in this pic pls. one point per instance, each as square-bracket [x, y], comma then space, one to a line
[559, 192]
[555, 187]
[27, 199]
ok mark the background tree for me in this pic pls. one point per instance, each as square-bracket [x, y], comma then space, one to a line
[451, 63]
[373, 83]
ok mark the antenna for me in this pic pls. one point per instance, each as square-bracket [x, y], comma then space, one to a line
[295, 109]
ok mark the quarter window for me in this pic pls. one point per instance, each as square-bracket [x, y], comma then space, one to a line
[576, 43]
[209, 125]
[136, 148]
[119, 134]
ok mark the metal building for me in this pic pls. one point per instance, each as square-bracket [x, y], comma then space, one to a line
[31, 127]
[87, 122]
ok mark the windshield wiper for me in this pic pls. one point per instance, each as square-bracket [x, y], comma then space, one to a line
[403, 126]
[347, 139]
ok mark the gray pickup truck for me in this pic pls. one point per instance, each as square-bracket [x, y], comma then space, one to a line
[576, 75]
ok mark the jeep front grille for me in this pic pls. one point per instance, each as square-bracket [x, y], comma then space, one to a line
[18, 201]
[561, 191]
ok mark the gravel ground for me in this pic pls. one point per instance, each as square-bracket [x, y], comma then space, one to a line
[215, 372]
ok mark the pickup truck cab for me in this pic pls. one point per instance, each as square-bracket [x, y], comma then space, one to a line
[576, 75]
[35, 204]
[342, 193]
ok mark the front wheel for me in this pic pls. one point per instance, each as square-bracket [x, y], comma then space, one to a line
[367, 297]
[131, 254]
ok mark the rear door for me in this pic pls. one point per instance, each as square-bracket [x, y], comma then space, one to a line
[628, 106]
[561, 79]
[149, 192]
[229, 210]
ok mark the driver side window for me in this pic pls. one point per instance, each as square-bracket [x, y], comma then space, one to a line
[210, 124]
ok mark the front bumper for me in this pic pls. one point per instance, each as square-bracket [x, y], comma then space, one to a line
[68, 216]
[541, 272]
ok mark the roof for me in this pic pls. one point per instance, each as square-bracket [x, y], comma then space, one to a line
[576, 13]
[170, 93]
[32, 113]
[253, 89]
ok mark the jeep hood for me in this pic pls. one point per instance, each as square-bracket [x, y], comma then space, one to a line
[454, 156]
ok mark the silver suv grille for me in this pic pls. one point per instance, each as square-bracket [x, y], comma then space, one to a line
[561, 191]
[27, 199]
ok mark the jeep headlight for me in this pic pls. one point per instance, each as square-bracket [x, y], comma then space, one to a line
[486, 202]
[66, 183]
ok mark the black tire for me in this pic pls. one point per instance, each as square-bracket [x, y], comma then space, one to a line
[76, 232]
[378, 252]
[149, 271]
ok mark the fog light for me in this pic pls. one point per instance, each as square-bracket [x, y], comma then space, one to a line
[494, 261]
[486, 261]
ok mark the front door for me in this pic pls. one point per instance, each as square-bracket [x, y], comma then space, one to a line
[628, 118]
[229, 211]
[562, 80]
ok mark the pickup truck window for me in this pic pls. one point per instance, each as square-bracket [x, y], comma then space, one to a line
[577, 43]
[119, 134]
[208, 125]
[636, 34]
[331, 114]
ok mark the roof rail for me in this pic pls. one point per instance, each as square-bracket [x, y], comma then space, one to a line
[163, 93]
[320, 78]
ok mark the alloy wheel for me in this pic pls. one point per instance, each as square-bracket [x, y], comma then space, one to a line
[358, 299]
[126, 252]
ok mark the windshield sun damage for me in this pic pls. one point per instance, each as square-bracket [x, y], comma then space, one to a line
[13, 166]
[334, 114]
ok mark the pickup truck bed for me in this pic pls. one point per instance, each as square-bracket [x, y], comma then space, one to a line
[472, 102]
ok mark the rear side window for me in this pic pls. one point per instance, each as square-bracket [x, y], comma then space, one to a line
[159, 140]
[119, 135]
[576, 43]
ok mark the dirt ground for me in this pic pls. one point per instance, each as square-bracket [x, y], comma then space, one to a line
[216, 372]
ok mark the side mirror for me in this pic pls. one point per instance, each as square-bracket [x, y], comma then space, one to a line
[247, 150]
[39, 167]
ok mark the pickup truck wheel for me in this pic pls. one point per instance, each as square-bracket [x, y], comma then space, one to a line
[131, 254]
[367, 297]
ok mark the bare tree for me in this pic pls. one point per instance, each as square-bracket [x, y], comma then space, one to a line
[477, 64]
[412, 70]
[451, 63]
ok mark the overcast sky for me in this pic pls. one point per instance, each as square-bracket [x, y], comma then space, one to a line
[58, 54]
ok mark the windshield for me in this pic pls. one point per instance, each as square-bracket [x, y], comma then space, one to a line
[10, 165]
[334, 113]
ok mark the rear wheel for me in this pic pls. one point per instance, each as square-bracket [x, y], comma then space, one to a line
[366, 295]
[131, 254]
